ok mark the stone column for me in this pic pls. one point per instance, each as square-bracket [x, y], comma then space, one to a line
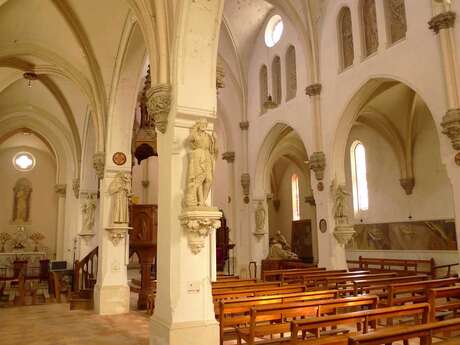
[60, 190]
[184, 311]
[229, 156]
[111, 293]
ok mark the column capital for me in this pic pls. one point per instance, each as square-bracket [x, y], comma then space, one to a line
[318, 164]
[60, 189]
[159, 105]
[228, 156]
[313, 89]
[244, 125]
[444, 20]
[99, 164]
[451, 127]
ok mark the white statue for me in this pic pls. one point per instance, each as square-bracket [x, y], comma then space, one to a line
[120, 190]
[260, 217]
[340, 195]
[201, 162]
[88, 210]
[22, 192]
[277, 252]
[279, 237]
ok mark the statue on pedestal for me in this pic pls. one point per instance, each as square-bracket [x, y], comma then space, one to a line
[260, 217]
[120, 190]
[22, 192]
[88, 210]
[201, 165]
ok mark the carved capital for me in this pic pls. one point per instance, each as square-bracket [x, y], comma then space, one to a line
[451, 127]
[76, 187]
[159, 105]
[318, 164]
[60, 189]
[344, 233]
[220, 75]
[198, 224]
[245, 183]
[408, 184]
[228, 156]
[99, 164]
[313, 90]
[244, 125]
[117, 234]
[441, 21]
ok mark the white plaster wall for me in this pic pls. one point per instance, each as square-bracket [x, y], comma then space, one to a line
[43, 203]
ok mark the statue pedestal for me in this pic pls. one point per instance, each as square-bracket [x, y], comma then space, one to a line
[343, 233]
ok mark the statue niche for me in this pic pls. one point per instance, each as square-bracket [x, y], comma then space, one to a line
[201, 163]
[21, 204]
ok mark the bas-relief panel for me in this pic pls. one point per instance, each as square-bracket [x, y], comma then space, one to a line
[418, 235]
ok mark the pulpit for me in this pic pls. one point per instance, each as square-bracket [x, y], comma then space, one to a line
[143, 242]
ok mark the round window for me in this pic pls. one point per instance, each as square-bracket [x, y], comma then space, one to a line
[273, 31]
[24, 161]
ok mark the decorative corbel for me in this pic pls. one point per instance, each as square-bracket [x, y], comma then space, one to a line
[117, 234]
[60, 189]
[318, 164]
[99, 164]
[198, 224]
[451, 127]
[407, 184]
[441, 21]
[159, 105]
[313, 90]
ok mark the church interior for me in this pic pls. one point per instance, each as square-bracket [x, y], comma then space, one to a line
[194, 172]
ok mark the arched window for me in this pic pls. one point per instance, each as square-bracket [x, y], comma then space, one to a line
[346, 38]
[395, 13]
[295, 197]
[291, 74]
[359, 177]
[263, 84]
[276, 80]
[369, 19]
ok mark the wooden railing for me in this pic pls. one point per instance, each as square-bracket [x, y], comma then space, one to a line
[85, 271]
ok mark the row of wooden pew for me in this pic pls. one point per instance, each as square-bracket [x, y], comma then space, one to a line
[316, 306]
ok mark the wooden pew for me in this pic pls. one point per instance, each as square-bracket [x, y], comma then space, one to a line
[231, 313]
[298, 276]
[424, 332]
[276, 274]
[233, 294]
[269, 319]
[371, 285]
[368, 319]
[244, 286]
[343, 280]
[313, 277]
[239, 282]
[446, 294]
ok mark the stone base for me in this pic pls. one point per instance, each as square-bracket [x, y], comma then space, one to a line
[110, 300]
[190, 333]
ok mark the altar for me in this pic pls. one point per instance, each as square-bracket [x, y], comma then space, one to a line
[7, 260]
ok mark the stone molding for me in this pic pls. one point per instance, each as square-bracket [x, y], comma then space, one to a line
[117, 234]
[159, 105]
[245, 183]
[228, 156]
[244, 125]
[407, 184]
[86, 236]
[76, 187]
[451, 127]
[318, 164]
[313, 89]
[198, 223]
[444, 20]
[60, 189]
[99, 164]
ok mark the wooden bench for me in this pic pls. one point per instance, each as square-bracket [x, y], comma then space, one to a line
[367, 318]
[245, 285]
[446, 305]
[402, 266]
[314, 277]
[270, 319]
[347, 280]
[424, 332]
[232, 294]
[231, 313]
[276, 274]
[236, 283]
[371, 285]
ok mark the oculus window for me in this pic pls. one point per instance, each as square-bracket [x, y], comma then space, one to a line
[273, 31]
[24, 161]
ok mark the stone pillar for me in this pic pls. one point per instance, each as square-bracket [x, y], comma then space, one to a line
[111, 293]
[60, 190]
[231, 217]
[314, 92]
[184, 311]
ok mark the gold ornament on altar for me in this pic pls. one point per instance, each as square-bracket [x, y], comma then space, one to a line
[4, 237]
[36, 237]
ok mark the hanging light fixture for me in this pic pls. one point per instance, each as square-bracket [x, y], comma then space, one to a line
[29, 76]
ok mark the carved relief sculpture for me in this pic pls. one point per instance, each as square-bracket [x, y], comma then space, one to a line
[21, 207]
[120, 190]
[339, 197]
[88, 210]
[201, 163]
[159, 105]
[318, 164]
[369, 15]
[260, 215]
[346, 33]
[396, 17]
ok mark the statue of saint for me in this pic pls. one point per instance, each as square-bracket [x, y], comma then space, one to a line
[277, 252]
[279, 237]
[260, 217]
[88, 210]
[201, 164]
[340, 195]
[120, 190]
[22, 192]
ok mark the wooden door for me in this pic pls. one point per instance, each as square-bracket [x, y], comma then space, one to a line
[302, 240]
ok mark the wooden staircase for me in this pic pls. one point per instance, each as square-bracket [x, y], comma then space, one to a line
[84, 279]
